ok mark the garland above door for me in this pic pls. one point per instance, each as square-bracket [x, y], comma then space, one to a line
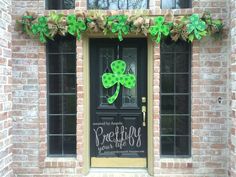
[187, 28]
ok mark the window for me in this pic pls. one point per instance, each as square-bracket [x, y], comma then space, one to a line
[175, 98]
[61, 81]
[117, 4]
[176, 4]
[60, 4]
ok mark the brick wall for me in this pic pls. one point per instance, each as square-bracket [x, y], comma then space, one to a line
[5, 89]
[210, 80]
[232, 142]
[25, 94]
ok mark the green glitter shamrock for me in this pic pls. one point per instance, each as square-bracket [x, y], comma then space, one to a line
[159, 28]
[41, 28]
[118, 24]
[197, 26]
[118, 77]
[75, 26]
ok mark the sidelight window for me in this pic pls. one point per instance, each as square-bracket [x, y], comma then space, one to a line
[176, 4]
[60, 4]
[61, 81]
[175, 98]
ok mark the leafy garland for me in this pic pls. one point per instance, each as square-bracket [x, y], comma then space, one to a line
[187, 28]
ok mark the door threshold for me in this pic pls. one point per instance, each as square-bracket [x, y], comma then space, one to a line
[118, 170]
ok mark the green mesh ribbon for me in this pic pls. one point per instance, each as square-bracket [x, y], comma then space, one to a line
[118, 77]
[75, 26]
[159, 28]
[197, 27]
[41, 28]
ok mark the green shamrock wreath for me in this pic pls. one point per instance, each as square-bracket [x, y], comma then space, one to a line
[159, 28]
[197, 27]
[118, 77]
[41, 28]
[75, 25]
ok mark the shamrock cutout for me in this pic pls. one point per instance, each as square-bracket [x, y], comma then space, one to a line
[75, 26]
[197, 26]
[41, 28]
[159, 28]
[118, 77]
[118, 25]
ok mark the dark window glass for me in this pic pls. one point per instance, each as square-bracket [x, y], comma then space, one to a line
[176, 4]
[117, 5]
[61, 79]
[60, 4]
[175, 98]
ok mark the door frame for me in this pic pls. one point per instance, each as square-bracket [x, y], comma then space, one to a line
[86, 121]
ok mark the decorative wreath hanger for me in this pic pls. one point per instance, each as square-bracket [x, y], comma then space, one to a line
[187, 28]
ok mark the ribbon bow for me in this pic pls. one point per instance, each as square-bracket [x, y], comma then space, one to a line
[118, 77]
[41, 28]
[197, 26]
[159, 28]
[75, 26]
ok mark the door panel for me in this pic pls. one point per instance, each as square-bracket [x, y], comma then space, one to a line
[117, 131]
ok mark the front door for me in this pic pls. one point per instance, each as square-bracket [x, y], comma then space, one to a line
[118, 92]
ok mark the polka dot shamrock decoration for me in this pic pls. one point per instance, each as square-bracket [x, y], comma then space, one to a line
[159, 28]
[197, 27]
[41, 28]
[118, 77]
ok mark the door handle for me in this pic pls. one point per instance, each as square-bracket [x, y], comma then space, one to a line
[144, 115]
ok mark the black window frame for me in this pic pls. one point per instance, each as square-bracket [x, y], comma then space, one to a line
[174, 115]
[48, 73]
[60, 7]
[174, 5]
[148, 3]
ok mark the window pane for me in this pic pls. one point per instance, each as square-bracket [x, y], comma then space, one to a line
[182, 125]
[167, 4]
[181, 4]
[69, 104]
[69, 63]
[55, 104]
[69, 83]
[181, 46]
[54, 62]
[167, 125]
[182, 145]
[182, 104]
[61, 4]
[116, 5]
[167, 83]
[62, 44]
[167, 145]
[69, 125]
[55, 124]
[167, 104]
[182, 62]
[69, 144]
[55, 144]
[175, 4]
[55, 84]
[167, 63]
[182, 83]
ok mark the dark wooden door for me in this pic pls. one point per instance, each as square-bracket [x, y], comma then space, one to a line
[118, 130]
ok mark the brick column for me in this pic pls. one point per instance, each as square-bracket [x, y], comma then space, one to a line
[5, 90]
[232, 167]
